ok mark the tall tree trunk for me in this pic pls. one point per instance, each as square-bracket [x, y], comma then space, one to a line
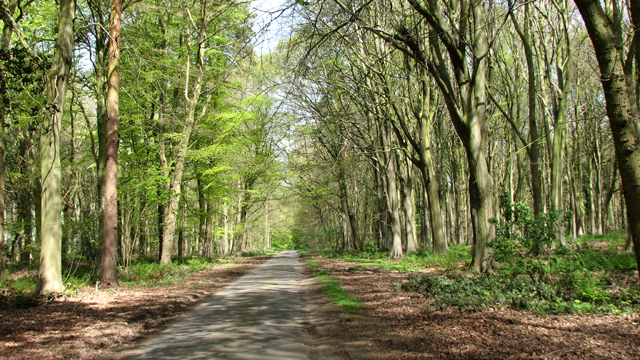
[622, 106]
[208, 231]
[393, 201]
[592, 202]
[480, 180]
[383, 236]
[348, 209]
[427, 172]
[50, 279]
[181, 237]
[4, 46]
[190, 123]
[267, 237]
[409, 210]
[533, 150]
[425, 229]
[467, 107]
[109, 266]
[202, 217]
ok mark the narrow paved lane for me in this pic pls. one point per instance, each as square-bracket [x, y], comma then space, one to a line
[258, 317]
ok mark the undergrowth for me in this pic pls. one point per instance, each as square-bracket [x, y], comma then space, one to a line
[581, 279]
[18, 290]
[154, 274]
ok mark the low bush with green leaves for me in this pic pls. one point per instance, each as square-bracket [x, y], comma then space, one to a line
[578, 291]
[530, 276]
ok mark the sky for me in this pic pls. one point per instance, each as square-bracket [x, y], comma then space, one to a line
[270, 24]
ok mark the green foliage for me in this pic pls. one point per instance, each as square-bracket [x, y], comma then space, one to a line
[585, 279]
[331, 288]
[19, 293]
[283, 239]
[520, 231]
[575, 291]
[21, 284]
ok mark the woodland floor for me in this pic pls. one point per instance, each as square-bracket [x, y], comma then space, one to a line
[392, 324]
[104, 324]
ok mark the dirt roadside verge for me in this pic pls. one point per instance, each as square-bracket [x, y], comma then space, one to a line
[104, 324]
[399, 325]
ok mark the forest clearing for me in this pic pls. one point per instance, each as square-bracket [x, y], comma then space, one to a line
[449, 170]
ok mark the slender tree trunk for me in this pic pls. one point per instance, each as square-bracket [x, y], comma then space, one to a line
[226, 246]
[606, 206]
[592, 202]
[393, 202]
[267, 238]
[425, 228]
[56, 90]
[4, 46]
[190, 123]
[109, 266]
[348, 209]
[202, 216]
[428, 175]
[181, 240]
[533, 150]
[409, 210]
[208, 231]
[382, 208]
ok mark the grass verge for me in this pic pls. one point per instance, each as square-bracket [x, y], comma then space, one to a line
[331, 288]
[150, 274]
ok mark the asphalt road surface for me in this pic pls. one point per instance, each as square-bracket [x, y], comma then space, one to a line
[258, 317]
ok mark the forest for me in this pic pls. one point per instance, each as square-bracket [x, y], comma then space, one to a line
[496, 140]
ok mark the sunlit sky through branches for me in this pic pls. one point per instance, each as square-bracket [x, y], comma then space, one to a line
[271, 23]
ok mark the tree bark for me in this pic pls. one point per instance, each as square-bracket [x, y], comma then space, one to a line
[409, 210]
[622, 109]
[109, 266]
[50, 278]
[190, 123]
[208, 231]
[393, 202]
[467, 107]
[4, 46]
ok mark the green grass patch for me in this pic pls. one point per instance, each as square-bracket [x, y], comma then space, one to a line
[21, 284]
[151, 274]
[19, 293]
[331, 288]
[270, 251]
[312, 264]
